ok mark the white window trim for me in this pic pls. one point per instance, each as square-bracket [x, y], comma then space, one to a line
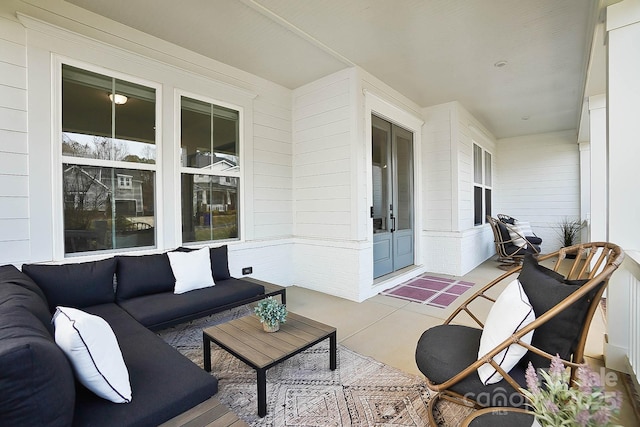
[178, 94]
[58, 158]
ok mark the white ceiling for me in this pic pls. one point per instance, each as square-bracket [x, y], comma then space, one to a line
[432, 51]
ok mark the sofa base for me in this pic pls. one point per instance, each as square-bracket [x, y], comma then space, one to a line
[210, 413]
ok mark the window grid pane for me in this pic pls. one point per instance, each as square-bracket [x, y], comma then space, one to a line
[106, 120]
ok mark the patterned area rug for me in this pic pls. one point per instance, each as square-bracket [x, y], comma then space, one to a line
[303, 391]
[430, 290]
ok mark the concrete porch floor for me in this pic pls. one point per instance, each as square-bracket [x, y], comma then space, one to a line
[387, 328]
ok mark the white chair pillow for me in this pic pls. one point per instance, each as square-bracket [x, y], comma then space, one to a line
[94, 353]
[516, 235]
[192, 270]
[525, 228]
[510, 313]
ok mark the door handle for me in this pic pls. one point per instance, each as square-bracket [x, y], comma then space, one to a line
[393, 223]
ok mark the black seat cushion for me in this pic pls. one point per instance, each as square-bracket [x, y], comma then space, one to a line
[164, 383]
[157, 311]
[143, 275]
[36, 380]
[545, 289]
[503, 419]
[75, 285]
[512, 250]
[446, 350]
[17, 289]
[535, 240]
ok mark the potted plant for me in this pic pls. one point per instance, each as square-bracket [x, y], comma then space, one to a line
[556, 403]
[569, 231]
[271, 313]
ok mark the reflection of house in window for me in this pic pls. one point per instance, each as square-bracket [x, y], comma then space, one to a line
[93, 188]
[214, 193]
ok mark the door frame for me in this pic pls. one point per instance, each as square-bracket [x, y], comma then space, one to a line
[384, 109]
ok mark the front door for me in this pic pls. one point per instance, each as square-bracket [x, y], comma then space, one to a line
[392, 210]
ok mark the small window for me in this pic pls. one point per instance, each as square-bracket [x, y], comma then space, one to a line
[210, 173]
[482, 181]
[107, 123]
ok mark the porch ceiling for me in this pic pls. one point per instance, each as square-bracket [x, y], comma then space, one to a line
[431, 51]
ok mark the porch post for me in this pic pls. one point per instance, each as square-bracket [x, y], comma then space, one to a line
[623, 144]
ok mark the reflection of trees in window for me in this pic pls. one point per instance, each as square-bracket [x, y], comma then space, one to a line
[105, 206]
[210, 171]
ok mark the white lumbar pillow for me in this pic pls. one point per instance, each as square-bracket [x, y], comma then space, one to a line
[510, 313]
[92, 348]
[192, 270]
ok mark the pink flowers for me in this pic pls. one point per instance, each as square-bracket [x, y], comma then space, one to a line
[555, 403]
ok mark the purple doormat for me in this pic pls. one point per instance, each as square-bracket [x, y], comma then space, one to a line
[434, 291]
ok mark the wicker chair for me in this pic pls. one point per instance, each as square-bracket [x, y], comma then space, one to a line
[510, 250]
[448, 354]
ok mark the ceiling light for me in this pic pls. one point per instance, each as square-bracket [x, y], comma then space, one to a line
[500, 64]
[525, 117]
[118, 99]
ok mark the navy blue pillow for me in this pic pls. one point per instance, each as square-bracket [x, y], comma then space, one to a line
[546, 288]
[75, 285]
[219, 261]
[36, 381]
[143, 275]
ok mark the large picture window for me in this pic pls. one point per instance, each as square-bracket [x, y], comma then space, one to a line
[108, 162]
[210, 171]
[482, 184]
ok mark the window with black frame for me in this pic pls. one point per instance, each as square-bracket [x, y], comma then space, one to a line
[482, 184]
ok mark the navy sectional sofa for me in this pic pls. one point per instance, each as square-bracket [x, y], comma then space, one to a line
[134, 294]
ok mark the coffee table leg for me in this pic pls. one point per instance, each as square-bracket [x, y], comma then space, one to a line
[206, 352]
[333, 351]
[262, 392]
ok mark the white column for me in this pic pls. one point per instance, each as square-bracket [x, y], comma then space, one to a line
[623, 26]
[598, 160]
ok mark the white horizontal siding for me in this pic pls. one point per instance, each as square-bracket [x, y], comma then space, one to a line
[322, 158]
[539, 182]
[273, 187]
[14, 160]
[437, 173]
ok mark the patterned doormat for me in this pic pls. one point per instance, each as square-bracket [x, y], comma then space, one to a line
[430, 290]
[303, 391]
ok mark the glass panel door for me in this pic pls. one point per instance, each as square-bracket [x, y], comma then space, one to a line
[392, 208]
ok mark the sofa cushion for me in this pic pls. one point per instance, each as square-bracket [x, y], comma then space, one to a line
[192, 270]
[93, 351]
[36, 380]
[164, 382]
[444, 351]
[18, 290]
[143, 275]
[75, 285]
[219, 261]
[546, 288]
[161, 310]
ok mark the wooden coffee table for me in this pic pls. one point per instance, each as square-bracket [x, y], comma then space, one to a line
[246, 340]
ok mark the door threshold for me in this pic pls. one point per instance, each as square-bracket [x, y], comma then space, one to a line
[392, 279]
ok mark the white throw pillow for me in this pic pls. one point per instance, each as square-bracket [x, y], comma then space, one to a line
[192, 270]
[92, 348]
[510, 313]
[525, 228]
[516, 235]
